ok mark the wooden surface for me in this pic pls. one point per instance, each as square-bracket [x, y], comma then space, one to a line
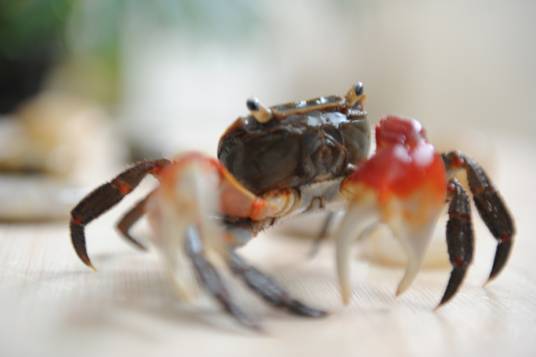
[51, 305]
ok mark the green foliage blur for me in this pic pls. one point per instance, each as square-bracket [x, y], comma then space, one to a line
[27, 24]
[85, 38]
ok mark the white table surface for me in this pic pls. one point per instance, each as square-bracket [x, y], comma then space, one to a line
[51, 305]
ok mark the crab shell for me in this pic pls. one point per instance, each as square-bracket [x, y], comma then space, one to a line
[304, 142]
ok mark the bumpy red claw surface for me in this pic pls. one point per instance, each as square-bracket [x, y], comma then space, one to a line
[291, 159]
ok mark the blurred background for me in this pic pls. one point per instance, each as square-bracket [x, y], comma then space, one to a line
[89, 86]
[86, 85]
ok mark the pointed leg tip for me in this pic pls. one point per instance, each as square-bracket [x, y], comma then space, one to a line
[501, 258]
[245, 320]
[299, 308]
[136, 244]
[313, 313]
[345, 299]
[321, 313]
[250, 324]
[442, 303]
[345, 295]
[89, 264]
[457, 275]
[490, 279]
[401, 289]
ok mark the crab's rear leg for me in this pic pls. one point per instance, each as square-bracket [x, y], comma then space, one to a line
[130, 218]
[105, 197]
[489, 204]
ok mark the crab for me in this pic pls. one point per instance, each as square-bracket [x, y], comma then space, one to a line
[285, 160]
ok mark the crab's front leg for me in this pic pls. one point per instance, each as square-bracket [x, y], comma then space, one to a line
[186, 213]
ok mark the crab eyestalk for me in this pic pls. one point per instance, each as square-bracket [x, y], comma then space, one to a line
[356, 95]
[261, 113]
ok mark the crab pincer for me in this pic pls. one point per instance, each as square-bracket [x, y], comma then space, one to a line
[404, 185]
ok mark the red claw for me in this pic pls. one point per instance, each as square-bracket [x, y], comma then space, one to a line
[404, 184]
[404, 162]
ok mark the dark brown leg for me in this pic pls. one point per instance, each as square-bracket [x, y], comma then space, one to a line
[103, 198]
[322, 235]
[130, 218]
[489, 204]
[268, 289]
[460, 239]
[211, 280]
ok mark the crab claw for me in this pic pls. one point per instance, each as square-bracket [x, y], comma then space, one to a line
[185, 213]
[357, 219]
[403, 186]
[188, 197]
[414, 241]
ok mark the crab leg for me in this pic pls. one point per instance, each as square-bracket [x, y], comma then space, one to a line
[104, 197]
[322, 234]
[130, 218]
[268, 289]
[489, 204]
[210, 278]
[460, 239]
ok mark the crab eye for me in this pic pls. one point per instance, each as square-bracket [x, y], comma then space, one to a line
[261, 113]
[253, 104]
[356, 95]
[358, 88]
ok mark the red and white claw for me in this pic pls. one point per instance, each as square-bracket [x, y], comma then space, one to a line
[188, 197]
[403, 186]
[186, 212]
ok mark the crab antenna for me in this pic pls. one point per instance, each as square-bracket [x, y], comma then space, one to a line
[261, 113]
[355, 95]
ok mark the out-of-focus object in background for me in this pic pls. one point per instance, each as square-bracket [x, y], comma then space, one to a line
[30, 45]
[55, 135]
[56, 144]
[60, 136]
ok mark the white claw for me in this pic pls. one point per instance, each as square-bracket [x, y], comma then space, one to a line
[414, 241]
[192, 200]
[412, 269]
[356, 220]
